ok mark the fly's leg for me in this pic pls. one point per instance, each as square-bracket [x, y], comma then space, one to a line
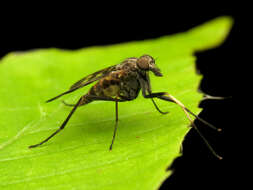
[116, 124]
[67, 104]
[93, 98]
[81, 100]
[167, 97]
[146, 88]
[116, 113]
[157, 108]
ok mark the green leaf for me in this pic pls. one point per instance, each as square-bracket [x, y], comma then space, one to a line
[79, 157]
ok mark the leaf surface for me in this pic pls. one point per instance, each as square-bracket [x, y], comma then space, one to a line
[79, 157]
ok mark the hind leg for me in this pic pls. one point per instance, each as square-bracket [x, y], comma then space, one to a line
[93, 98]
[63, 124]
[83, 101]
[67, 104]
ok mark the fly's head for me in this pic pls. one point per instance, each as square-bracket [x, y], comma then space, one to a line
[147, 63]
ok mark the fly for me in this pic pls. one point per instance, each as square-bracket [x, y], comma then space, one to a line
[123, 82]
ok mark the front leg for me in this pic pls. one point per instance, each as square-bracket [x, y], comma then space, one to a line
[167, 97]
[146, 87]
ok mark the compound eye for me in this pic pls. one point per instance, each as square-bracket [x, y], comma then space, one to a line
[142, 63]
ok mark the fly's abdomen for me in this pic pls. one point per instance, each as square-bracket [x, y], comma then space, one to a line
[119, 84]
[106, 87]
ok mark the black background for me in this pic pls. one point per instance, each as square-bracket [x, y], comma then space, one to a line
[74, 28]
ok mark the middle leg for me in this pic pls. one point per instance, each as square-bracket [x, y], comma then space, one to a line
[116, 100]
[116, 124]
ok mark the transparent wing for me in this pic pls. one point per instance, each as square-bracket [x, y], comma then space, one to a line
[87, 80]
[93, 77]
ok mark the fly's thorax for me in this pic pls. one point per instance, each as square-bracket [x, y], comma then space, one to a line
[129, 85]
[128, 64]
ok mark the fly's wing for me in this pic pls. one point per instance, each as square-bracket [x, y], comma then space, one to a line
[92, 77]
[87, 80]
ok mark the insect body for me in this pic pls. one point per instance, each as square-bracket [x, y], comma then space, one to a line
[123, 82]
